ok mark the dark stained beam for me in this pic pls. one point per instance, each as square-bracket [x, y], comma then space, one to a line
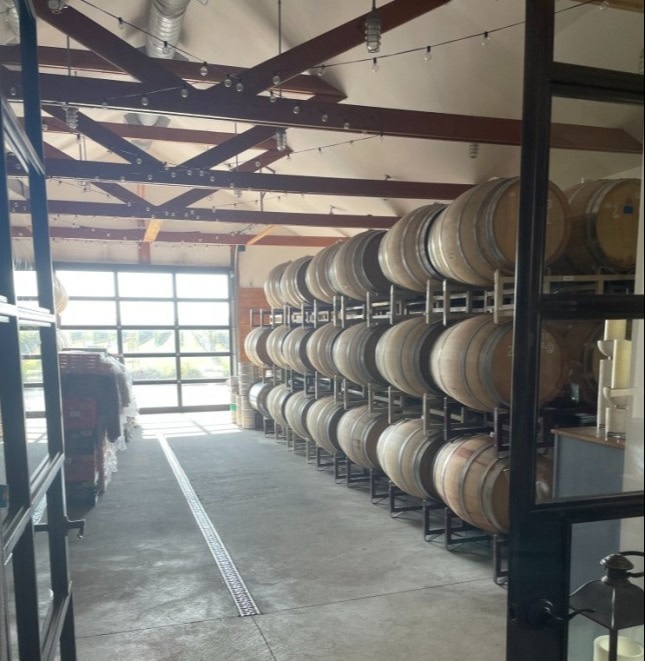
[239, 216]
[103, 136]
[97, 171]
[79, 27]
[116, 190]
[323, 47]
[87, 61]
[339, 117]
[163, 133]
[136, 236]
[195, 194]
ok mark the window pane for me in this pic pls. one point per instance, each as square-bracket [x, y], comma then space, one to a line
[145, 285]
[34, 399]
[32, 370]
[143, 369]
[29, 343]
[96, 339]
[149, 341]
[89, 313]
[201, 340]
[202, 285]
[87, 283]
[205, 394]
[203, 314]
[156, 396]
[205, 367]
[25, 283]
[147, 313]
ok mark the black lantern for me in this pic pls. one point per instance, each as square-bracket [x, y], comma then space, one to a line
[612, 601]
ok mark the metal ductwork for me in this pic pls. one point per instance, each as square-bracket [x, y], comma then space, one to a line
[164, 27]
[10, 11]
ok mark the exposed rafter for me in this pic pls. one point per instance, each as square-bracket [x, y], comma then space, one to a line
[97, 171]
[241, 216]
[339, 117]
[137, 235]
[87, 61]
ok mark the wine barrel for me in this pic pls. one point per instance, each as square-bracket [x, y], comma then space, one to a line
[476, 234]
[354, 353]
[604, 225]
[407, 455]
[403, 253]
[358, 434]
[403, 355]
[582, 357]
[472, 362]
[275, 346]
[273, 288]
[295, 412]
[317, 277]
[276, 401]
[320, 349]
[61, 299]
[355, 268]
[293, 283]
[322, 423]
[258, 394]
[472, 480]
[294, 349]
[255, 346]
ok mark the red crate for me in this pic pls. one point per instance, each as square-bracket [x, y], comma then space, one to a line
[79, 412]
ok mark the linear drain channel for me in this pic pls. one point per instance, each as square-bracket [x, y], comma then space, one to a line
[236, 586]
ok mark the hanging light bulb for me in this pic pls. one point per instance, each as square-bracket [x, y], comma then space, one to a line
[485, 39]
[121, 23]
[276, 79]
[296, 109]
[239, 86]
[144, 100]
[203, 70]
[71, 117]
[373, 30]
[375, 66]
[272, 97]
[165, 48]
[473, 150]
[428, 54]
[321, 71]
[281, 139]
[228, 82]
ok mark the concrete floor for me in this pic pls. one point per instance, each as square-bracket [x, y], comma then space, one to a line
[335, 578]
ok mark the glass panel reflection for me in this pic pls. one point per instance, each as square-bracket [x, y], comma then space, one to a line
[151, 369]
[205, 367]
[147, 313]
[145, 285]
[204, 340]
[205, 394]
[203, 314]
[156, 396]
[99, 284]
[148, 341]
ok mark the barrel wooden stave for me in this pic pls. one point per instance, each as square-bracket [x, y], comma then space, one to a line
[472, 363]
[355, 268]
[317, 277]
[275, 346]
[293, 283]
[295, 412]
[358, 433]
[604, 223]
[276, 401]
[273, 288]
[403, 356]
[294, 349]
[476, 234]
[255, 346]
[320, 349]
[354, 353]
[322, 421]
[407, 456]
[403, 253]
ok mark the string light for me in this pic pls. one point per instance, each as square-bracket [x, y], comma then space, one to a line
[473, 150]
[428, 55]
[121, 23]
[228, 81]
[203, 70]
[375, 66]
[485, 39]
[321, 70]
[281, 139]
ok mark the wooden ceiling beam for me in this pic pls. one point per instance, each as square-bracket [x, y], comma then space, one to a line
[136, 236]
[87, 61]
[343, 117]
[206, 215]
[212, 180]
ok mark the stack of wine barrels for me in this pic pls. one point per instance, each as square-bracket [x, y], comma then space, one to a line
[246, 378]
[464, 242]
[258, 395]
[358, 431]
